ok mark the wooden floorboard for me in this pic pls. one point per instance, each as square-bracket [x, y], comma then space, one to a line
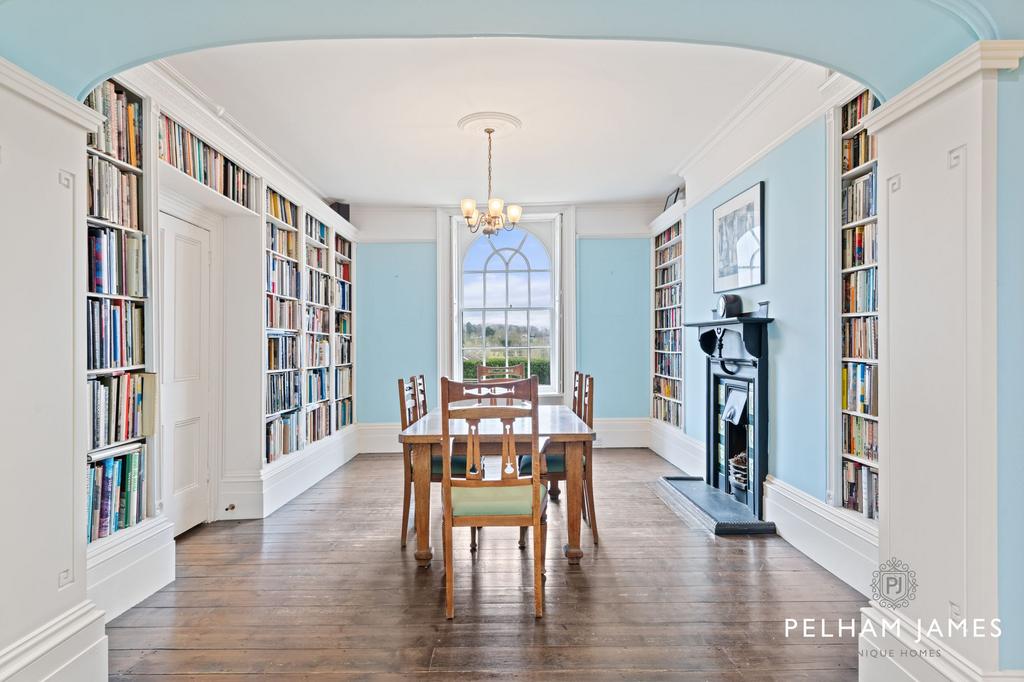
[321, 590]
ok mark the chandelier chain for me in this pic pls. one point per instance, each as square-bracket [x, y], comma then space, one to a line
[489, 151]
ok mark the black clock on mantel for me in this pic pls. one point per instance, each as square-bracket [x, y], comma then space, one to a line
[729, 305]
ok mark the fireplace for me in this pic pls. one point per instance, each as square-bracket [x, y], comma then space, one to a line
[729, 497]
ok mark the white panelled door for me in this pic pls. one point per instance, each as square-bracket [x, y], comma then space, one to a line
[186, 369]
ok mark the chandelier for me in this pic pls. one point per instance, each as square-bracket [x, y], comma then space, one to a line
[497, 215]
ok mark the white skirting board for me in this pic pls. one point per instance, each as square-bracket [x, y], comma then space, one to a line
[679, 449]
[840, 540]
[611, 433]
[69, 648]
[131, 566]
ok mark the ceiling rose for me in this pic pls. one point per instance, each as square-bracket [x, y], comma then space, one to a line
[501, 123]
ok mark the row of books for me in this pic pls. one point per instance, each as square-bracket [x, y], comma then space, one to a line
[859, 200]
[316, 258]
[120, 135]
[318, 350]
[670, 317]
[860, 291]
[282, 352]
[282, 241]
[316, 385]
[667, 411]
[282, 277]
[860, 388]
[192, 156]
[318, 287]
[114, 195]
[282, 209]
[342, 246]
[668, 274]
[118, 262]
[856, 109]
[344, 295]
[343, 350]
[669, 364]
[282, 313]
[860, 245]
[120, 408]
[669, 296]
[318, 320]
[665, 255]
[115, 333]
[282, 436]
[860, 489]
[860, 337]
[344, 413]
[342, 323]
[284, 391]
[668, 235]
[318, 422]
[316, 230]
[668, 388]
[860, 437]
[116, 493]
[858, 150]
[671, 340]
[342, 382]
[343, 270]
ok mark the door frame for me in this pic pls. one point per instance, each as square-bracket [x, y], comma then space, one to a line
[182, 209]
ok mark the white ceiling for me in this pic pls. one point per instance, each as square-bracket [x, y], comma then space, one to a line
[374, 121]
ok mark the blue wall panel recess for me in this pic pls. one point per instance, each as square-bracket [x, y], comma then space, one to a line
[396, 325]
[795, 283]
[613, 323]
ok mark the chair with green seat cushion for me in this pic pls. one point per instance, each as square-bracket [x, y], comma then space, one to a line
[489, 413]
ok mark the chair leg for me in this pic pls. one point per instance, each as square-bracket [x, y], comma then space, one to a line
[405, 501]
[544, 546]
[449, 572]
[472, 538]
[554, 491]
[538, 566]
[588, 482]
[522, 537]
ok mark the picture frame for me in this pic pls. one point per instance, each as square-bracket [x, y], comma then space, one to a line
[738, 241]
[672, 197]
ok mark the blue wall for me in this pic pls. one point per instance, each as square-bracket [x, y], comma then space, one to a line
[396, 325]
[613, 323]
[1010, 276]
[795, 283]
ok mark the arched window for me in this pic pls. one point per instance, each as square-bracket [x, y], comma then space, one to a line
[508, 305]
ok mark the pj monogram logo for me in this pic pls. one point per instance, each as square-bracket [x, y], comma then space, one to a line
[894, 584]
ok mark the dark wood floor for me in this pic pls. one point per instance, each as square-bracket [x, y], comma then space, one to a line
[320, 590]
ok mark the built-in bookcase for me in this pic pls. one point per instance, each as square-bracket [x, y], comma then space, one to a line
[318, 298]
[858, 256]
[667, 389]
[342, 333]
[121, 387]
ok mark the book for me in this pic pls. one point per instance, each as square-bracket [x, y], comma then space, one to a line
[282, 436]
[318, 422]
[283, 392]
[113, 195]
[116, 498]
[120, 134]
[105, 497]
[282, 352]
[282, 209]
[191, 155]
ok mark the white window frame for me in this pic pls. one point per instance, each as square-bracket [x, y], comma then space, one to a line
[562, 248]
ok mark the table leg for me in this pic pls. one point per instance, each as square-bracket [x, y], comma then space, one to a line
[574, 492]
[421, 486]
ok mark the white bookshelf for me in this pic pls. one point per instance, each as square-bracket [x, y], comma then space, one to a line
[343, 332]
[857, 462]
[128, 560]
[667, 351]
[318, 303]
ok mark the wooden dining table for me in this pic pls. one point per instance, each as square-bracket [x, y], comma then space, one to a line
[555, 422]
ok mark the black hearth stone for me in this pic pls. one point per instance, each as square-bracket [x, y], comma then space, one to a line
[718, 511]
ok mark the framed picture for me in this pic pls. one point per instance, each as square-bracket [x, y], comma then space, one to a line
[739, 240]
[671, 198]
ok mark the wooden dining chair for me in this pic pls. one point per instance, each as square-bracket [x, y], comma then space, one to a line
[410, 414]
[554, 453]
[421, 395]
[485, 374]
[511, 500]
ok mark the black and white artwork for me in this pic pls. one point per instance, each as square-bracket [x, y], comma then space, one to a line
[739, 240]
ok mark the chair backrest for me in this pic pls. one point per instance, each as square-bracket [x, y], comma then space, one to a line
[577, 393]
[421, 395]
[407, 403]
[586, 412]
[474, 403]
[485, 374]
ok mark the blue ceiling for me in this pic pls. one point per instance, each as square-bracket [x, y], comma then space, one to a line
[886, 44]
